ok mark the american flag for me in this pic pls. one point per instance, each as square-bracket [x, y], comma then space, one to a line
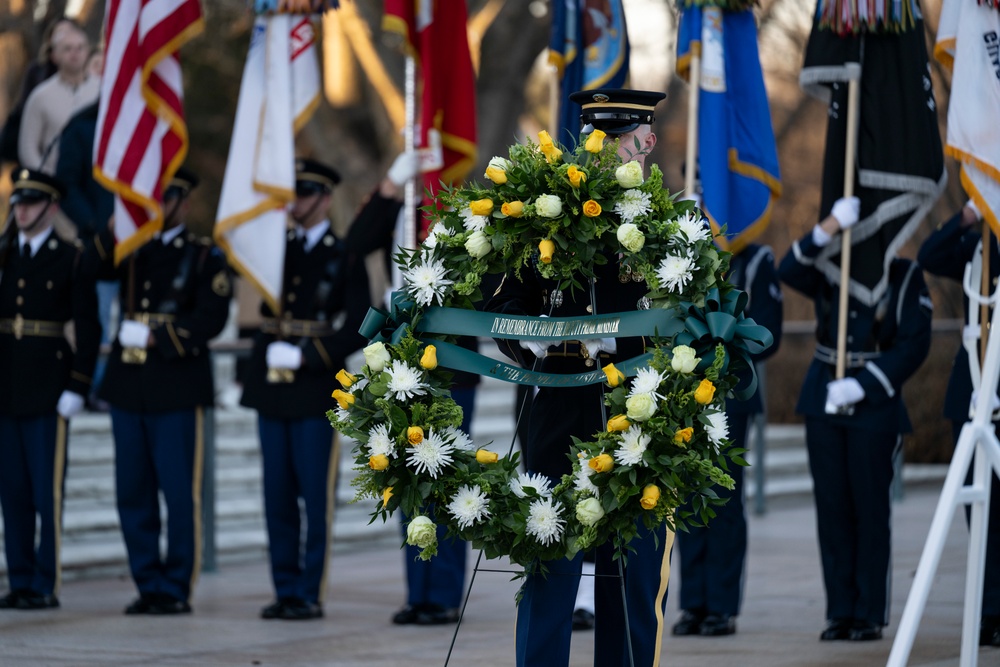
[141, 136]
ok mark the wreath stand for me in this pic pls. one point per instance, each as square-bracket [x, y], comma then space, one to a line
[978, 438]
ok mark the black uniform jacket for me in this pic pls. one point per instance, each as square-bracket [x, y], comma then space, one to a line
[325, 289]
[43, 293]
[184, 287]
[886, 343]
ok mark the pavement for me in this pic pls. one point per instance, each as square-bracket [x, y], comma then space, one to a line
[783, 611]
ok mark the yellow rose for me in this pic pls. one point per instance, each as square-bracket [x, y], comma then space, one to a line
[481, 207]
[378, 462]
[650, 496]
[591, 208]
[429, 359]
[683, 436]
[548, 147]
[345, 379]
[595, 142]
[575, 176]
[386, 495]
[546, 249]
[618, 423]
[485, 456]
[415, 435]
[497, 175]
[344, 399]
[602, 463]
[513, 209]
[615, 376]
[705, 392]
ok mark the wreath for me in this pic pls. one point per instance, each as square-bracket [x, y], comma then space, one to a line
[666, 444]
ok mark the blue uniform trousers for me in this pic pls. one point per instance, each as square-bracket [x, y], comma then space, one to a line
[160, 452]
[851, 467]
[440, 580]
[544, 615]
[300, 458]
[32, 479]
[713, 556]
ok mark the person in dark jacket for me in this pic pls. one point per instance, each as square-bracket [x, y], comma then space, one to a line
[945, 253]
[290, 379]
[158, 383]
[854, 424]
[45, 283]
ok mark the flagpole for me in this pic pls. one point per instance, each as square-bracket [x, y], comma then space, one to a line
[694, 91]
[410, 192]
[853, 90]
[554, 90]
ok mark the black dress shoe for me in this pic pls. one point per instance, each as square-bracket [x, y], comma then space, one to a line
[33, 600]
[989, 631]
[167, 605]
[689, 623]
[10, 600]
[435, 614]
[139, 606]
[300, 610]
[718, 625]
[275, 609]
[865, 631]
[838, 628]
[407, 615]
[583, 619]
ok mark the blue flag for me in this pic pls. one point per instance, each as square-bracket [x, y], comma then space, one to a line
[737, 157]
[589, 48]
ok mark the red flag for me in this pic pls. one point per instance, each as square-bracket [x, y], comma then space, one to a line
[141, 136]
[436, 36]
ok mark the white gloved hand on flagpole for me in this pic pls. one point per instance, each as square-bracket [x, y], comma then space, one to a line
[70, 404]
[133, 334]
[843, 392]
[847, 211]
[404, 168]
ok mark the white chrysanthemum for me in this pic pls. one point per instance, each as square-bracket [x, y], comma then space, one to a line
[633, 446]
[437, 232]
[379, 442]
[718, 430]
[431, 454]
[540, 483]
[632, 205]
[675, 272]
[544, 522]
[474, 223]
[341, 415]
[581, 480]
[404, 381]
[469, 506]
[458, 438]
[426, 282]
[693, 228]
[646, 381]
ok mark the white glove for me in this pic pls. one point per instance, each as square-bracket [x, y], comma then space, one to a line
[971, 205]
[846, 210]
[283, 355]
[133, 334]
[597, 345]
[820, 237]
[840, 393]
[536, 347]
[404, 168]
[70, 404]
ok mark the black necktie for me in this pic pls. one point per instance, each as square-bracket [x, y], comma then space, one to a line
[26, 251]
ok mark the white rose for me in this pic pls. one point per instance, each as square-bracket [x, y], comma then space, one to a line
[630, 237]
[629, 175]
[478, 245]
[376, 356]
[640, 407]
[589, 512]
[498, 162]
[421, 532]
[684, 360]
[548, 206]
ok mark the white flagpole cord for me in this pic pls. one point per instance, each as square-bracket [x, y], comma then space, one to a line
[410, 193]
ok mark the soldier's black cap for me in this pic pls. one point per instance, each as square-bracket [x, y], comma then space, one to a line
[33, 186]
[312, 177]
[182, 183]
[615, 111]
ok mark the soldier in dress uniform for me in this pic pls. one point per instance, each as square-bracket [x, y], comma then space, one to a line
[712, 557]
[545, 611]
[291, 377]
[945, 253]
[854, 425]
[45, 283]
[158, 383]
